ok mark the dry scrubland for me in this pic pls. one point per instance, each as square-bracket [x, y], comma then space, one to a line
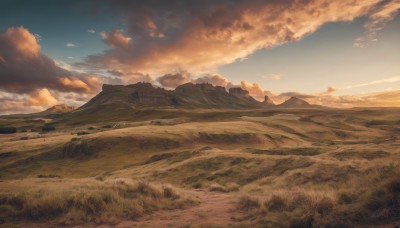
[282, 168]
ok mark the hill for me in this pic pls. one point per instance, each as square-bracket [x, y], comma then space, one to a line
[295, 102]
[189, 95]
[61, 108]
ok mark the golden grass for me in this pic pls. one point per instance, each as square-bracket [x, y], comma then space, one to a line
[70, 201]
[311, 166]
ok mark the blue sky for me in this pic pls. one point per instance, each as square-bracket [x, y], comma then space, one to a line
[325, 58]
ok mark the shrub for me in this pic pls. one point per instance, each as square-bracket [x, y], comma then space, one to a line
[91, 128]
[75, 139]
[276, 203]
[324, 206]
[197, 185]
[168, 192]
[247, 203]
[48, 176]
[48, 128]
[217, 188]
[305, 222]
[82, 133]
[346, 197]
[24, 138]
[8, 130]
[106, 126]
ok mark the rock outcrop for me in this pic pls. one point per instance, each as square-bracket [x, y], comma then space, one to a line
[188, 95]
[268, 101]
[122, 100]
[61, 108]
[239, 92]
[146, 94]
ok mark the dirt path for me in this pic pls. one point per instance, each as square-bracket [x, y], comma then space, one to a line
[216, 208]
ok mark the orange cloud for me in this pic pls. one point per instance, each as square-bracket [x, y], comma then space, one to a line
[173, 80]
[216, 80]
[42, 97]
[116, 39]
[74, 84]
[254, 89]
[208, 34]
[21, 42]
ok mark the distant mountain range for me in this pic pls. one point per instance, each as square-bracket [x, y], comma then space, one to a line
[145, 101]
[189, 95]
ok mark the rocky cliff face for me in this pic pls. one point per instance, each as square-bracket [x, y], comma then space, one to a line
[61, 108]
[239, 92]
[187, 95]
[146, 94]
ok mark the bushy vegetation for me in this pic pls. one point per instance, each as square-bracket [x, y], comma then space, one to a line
[82, 133]
[379, 204]
[47, 128]
[8, 130]
[106, 202]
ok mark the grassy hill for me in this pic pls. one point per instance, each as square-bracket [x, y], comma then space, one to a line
[308, 165]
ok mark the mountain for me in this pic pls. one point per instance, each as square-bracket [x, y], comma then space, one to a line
[61, 108]
[295, 102]
[143, 101]
[189, 95]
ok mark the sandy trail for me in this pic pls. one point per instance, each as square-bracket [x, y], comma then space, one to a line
[216, 208]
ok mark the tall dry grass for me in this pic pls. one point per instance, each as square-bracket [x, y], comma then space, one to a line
[93, 202]
[377, 204]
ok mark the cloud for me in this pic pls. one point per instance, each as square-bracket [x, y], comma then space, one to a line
[254, 89]
[174, 80]
[136, 77]
[382, 13]
[276, 76]
[325, 98]
[70, 45]
[31, 81]
[199, 36]
[23, 68]
[116, 39]
[330, 90]
[42, 97]
[216, 80]
[91, 31]
[18, 43]
[114, 72]
[382, 81]
[38, 37]
[33, 102]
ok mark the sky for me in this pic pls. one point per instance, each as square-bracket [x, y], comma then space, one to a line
[335, 53]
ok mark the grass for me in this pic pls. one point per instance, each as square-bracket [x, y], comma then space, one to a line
[355, 206]
[88, 201]
[308, 151]
[363, 154]
[288, 169]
